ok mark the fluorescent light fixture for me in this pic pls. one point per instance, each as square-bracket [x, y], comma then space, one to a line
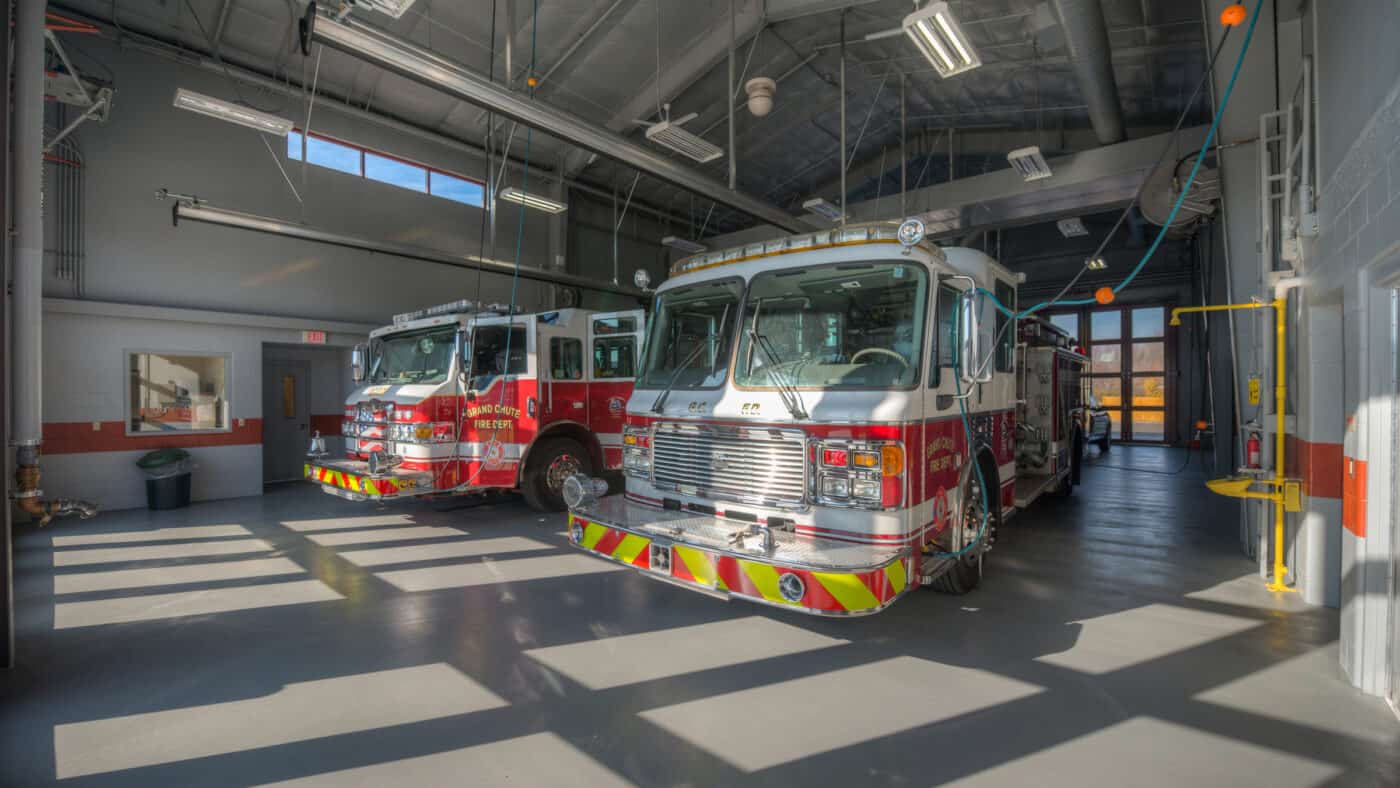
[936, 33]
[233, 113]
[1073, 227]
[535, 201]
[1096, 264]
[1030, 163]
[820, 207]
[394, 8]
[669, 134]
[683, 245]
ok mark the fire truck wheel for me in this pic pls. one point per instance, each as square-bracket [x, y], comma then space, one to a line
[550, 464]
[966, 573]
[1104, 443]
[1076, 457]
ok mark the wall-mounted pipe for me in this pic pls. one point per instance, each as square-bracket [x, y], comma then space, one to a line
[207, 214]
[427, 68]
[1086, 41]
[28, 276]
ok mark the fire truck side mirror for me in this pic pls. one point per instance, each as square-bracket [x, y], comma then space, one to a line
[967, 326]
[357, 364]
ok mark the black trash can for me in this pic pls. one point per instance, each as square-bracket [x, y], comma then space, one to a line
[168, 474]
[169, 492]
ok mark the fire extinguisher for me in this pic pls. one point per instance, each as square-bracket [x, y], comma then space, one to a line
[1252, 446]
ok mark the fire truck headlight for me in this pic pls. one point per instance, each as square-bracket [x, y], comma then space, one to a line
[865, 489]
[835, 486]
[791, 587]
[581, 490]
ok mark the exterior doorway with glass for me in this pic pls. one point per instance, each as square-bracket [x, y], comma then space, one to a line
[1129, 367]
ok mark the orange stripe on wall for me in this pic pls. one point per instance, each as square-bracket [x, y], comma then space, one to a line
[1354, 496]
[78, 437]
[1319, 465]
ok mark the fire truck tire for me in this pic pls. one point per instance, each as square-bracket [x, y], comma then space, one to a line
[1076, 458]
[549, 465]
[1104, 443]
[966, 573]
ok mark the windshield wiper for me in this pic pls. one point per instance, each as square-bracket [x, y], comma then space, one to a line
[786, 392]
[691, 356]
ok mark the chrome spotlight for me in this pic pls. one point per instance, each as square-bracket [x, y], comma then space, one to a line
[318, 446]
[380, 463]
[581, 490]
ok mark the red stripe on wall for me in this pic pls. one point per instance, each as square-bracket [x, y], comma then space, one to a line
[1354, 496]
[1319, 465]
[327, 423]
[78, 437]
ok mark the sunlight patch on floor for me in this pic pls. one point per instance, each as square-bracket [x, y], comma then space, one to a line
[779, 723]
[431, 552]
[543, 759]
[160, 552]
[297, 712]
[491, 572]
[663, 653]
[1249, 591]
[156, 535]
[1142, 634]
[173, 575]
[1305, 690]
[67, 615]
[338, 523]
[341, 539]
[1148, 753]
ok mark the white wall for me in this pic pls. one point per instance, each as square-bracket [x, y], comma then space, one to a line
[85, 380]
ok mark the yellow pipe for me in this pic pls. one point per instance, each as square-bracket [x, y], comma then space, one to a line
[1280, 401]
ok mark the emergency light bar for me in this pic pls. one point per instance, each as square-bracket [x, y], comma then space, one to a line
[874, 232]
[936, 33]
[458, 307]
[230, 112]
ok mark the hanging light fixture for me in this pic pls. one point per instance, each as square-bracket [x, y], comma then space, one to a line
[820, 207]
[1096, 263]
[394, 8]
[230, 112]
[1073, 227]
[669, 134]
[935, 31]
[1030, 162]
[683, 245]
[512, 194]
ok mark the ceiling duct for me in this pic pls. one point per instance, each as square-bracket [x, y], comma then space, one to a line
[1086, 42]
[415, 63]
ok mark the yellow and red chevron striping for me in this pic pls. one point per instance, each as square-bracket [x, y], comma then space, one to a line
[349, 481]
[825, 592]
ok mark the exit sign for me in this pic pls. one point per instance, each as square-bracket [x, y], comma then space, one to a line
[313, 337]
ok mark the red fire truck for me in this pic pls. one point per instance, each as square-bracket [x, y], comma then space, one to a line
[824, 422]
[461, 398]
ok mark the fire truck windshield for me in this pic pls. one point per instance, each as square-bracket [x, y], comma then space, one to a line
[690, 332]
[413, 357]
[851, 325]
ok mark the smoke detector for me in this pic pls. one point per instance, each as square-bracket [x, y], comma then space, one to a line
[760, 90]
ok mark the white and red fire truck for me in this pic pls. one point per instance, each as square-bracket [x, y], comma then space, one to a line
[804, 432]
[461, 399]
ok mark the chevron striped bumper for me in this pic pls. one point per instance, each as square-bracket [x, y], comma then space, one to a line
[351, 480]
[814, 576]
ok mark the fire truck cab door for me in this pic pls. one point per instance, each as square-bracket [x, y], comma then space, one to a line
[614, 347]
[563, 363]
[503, 418]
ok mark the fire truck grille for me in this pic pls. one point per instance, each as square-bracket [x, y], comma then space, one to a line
[751, 465]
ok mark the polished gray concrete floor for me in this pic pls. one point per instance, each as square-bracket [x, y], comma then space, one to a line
[1120, 638]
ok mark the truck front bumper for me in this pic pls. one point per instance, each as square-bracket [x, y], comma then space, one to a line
[350, 479]
[729, 559]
